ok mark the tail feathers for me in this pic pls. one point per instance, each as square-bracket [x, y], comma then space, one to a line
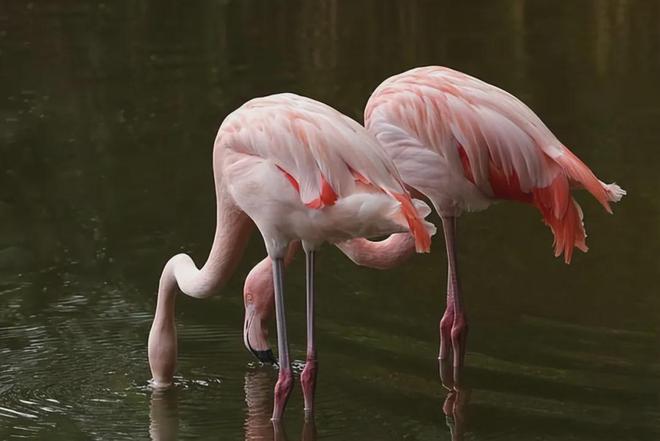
[614, 192]
[578, 171]
[416, 223]
[565, 221]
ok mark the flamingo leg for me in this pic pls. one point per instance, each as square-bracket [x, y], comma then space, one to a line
[308, 376]
[285, 379]
[453, 326]
[446, 323]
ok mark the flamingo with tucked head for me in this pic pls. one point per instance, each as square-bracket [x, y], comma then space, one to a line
[463, 144]
[300, 171]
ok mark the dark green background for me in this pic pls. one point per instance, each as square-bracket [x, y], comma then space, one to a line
[108, 111]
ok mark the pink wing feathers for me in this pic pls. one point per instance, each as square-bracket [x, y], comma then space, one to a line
[323, 154]
[493, 139]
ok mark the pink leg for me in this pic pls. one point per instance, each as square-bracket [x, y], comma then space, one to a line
[282, 391]
[285, 378]
[308, 380]
[446, 323]
[308, 376]
[455, 308]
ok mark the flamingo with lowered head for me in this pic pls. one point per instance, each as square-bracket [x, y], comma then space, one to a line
[300, 171]
[464, 144]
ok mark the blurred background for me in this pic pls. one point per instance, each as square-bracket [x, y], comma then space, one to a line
[108, 111]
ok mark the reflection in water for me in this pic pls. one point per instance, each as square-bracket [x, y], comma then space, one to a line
[454, 410]
[163, 415]
[259, 400]
[106, 111]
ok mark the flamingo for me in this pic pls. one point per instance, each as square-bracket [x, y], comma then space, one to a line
[301, 171]
[463, 144]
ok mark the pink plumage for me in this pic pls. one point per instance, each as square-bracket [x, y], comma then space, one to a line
[464, 144]
[300, 171]
[329, 160]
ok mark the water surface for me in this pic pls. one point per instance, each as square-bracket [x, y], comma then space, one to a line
[107, 117]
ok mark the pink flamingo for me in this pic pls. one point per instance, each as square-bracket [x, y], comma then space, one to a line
[301, 171]
[464, 144]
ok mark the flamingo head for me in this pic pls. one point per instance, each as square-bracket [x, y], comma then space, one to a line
[258, 297]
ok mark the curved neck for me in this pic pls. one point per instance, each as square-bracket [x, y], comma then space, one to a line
[383, 254]
[232, 232]
[233, 228]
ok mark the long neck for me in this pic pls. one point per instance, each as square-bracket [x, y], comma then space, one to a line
[384, 254]
[233, 228]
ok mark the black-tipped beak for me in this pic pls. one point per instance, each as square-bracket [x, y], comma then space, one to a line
[265, 356]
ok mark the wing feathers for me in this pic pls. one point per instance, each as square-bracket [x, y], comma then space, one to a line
[322, 153]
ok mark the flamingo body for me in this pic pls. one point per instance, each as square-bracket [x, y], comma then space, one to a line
[300, 171]
[465, 144]
[303, 171]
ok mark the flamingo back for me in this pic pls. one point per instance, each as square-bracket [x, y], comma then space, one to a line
[324, 155]
[465, 143]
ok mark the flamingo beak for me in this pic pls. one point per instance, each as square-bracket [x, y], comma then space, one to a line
[265, 356]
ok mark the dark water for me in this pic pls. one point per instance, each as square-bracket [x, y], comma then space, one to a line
[107, 116]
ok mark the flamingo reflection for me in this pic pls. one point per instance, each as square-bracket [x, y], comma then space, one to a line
[163, 415]
[258, 424]
[454, 410]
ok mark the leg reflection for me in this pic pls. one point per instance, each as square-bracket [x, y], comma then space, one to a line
[454, 410]
[163, 415]
[309, 430]
[259, 399]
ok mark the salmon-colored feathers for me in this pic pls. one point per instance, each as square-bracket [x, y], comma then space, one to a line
[328, 197]
[464, 143]
[422, 237]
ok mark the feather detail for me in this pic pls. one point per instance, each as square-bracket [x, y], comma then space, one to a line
[416, 225]
[563, 215]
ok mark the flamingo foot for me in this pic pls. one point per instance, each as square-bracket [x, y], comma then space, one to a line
[308, 382]
[282, 392]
